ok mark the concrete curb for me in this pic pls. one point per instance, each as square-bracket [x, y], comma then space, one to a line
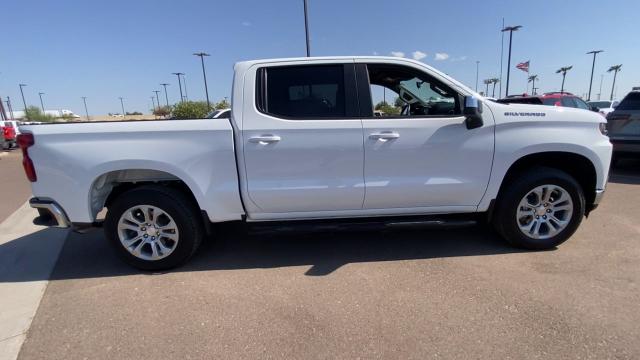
[28, 254]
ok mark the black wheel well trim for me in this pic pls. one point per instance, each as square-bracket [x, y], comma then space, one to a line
[576, 165]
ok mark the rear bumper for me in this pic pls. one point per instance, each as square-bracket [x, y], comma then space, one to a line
[50, 213]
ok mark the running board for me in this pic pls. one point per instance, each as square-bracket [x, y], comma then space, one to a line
[368, 224]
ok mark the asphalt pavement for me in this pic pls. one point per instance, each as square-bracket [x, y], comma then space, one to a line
[402, 294]
[14, 186]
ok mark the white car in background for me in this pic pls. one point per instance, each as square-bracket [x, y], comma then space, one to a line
[604, 106]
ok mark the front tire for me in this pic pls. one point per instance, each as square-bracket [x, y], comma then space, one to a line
[154, 227]
[540, 209]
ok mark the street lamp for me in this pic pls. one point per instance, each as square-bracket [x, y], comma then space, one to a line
[615, 69]
[179, 84]
[41, 103]
[166, 97]
[306, 28]
[510, 29]
[563, 70]
[84, 99]
[486, 82]
[157, 97]
[532, 79]
[24, 102]
[593, 65]
[153, 102]
[477, 71]
[206, 89]
[122, 105]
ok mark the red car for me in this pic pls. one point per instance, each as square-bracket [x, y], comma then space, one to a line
[9, 137]
[553, 99]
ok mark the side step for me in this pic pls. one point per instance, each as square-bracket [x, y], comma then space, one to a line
[365, 224]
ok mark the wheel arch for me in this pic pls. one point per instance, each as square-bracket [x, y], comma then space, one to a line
[580, 167]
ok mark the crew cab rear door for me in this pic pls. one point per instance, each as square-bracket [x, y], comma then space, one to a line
[424, 157]
[302, 137]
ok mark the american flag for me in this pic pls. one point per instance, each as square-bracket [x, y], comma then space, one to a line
[524, 66]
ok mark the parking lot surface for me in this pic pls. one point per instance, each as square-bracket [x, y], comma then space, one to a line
[410, 294]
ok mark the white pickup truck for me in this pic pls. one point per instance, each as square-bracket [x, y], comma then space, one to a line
[303, 146]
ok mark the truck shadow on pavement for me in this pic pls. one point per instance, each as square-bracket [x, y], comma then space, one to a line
[627, 171]
[90, 255]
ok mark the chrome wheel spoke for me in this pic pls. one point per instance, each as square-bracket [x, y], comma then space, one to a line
[148, 232]
[544, 211]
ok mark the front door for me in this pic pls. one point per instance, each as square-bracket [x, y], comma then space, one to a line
[303, 144]
[419, 153]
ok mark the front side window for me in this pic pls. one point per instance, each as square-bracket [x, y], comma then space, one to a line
[304, 91]
[403, 91]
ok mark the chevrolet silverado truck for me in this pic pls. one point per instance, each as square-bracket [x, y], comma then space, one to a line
[302, 147]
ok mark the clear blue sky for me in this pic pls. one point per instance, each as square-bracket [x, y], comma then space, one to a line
[106, 49]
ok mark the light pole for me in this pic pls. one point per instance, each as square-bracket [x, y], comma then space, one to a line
[204, 74]
[615, 69]
[166, 97]
[10, 108]
[41, 103]
[179, 84]
[593, 65]
[306, 28]
[157, 97]
[153, 102]
[510, 29]
[600, 90]
[186, 92]
[477, 72]
[23, 101]
[84, 99]
[563, 70]
[532, 79]
[122, 105]
[494, 81]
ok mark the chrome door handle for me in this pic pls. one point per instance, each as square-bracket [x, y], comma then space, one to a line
[264, 139]
[386, 135]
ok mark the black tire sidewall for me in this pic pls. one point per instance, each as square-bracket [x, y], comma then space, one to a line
[180, 209]
[506, 220]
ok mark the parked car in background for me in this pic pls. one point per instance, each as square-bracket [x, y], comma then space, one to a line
[564, 99]
[9, 136]
[14, 124]
[623, 125]
[604, 107]
[220, 114]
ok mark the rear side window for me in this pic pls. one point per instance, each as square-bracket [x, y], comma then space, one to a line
[568, 102]
[312, 92]
[581, 104]
[630, 102]
[551, 101]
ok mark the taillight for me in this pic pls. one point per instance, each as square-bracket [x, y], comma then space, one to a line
[25, 141]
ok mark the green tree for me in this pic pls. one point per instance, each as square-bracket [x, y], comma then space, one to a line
[34, 113]
[398, 102]
[386, 108]
[191, 110]
[224, 104]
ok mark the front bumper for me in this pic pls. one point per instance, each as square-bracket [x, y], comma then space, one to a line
[50, 213]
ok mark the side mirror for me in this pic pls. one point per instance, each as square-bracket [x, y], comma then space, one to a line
[594, 108]
[473, 112]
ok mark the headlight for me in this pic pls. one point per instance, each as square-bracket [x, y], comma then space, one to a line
[603, 129]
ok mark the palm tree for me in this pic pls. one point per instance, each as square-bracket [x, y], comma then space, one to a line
[615, 69]
[486, 82]
[494, 81]
[563, 70]
[533, 79]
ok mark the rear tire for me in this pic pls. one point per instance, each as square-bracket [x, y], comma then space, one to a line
[154, 227]
[527, 214]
